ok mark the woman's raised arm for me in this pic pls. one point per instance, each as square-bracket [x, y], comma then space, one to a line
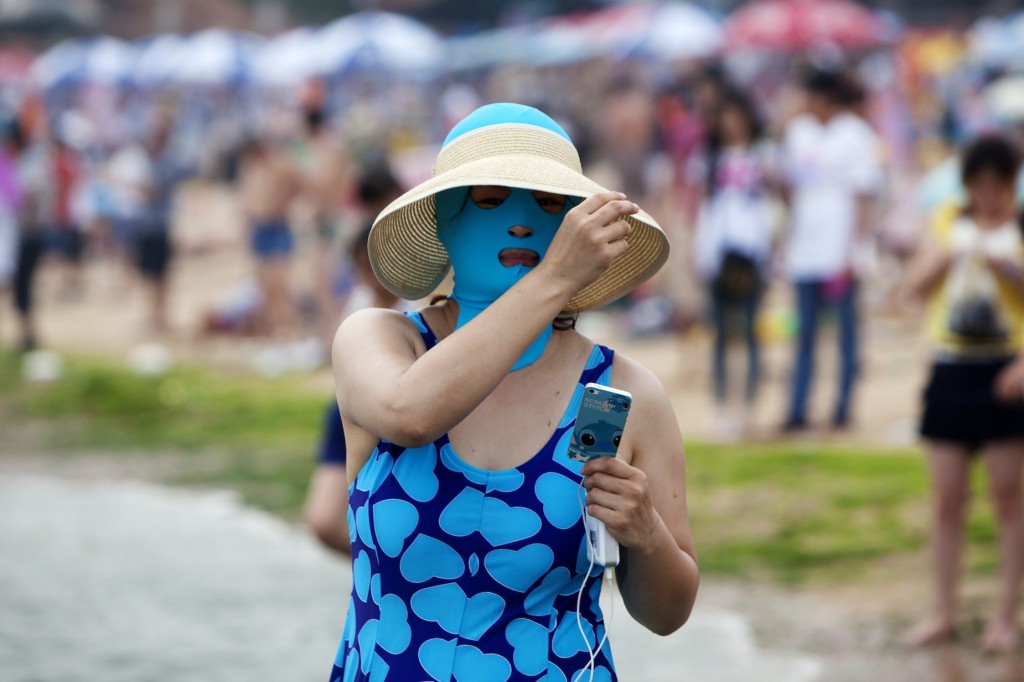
[386, 389]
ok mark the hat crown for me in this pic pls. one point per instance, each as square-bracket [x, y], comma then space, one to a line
[506, 129]
[501, 113]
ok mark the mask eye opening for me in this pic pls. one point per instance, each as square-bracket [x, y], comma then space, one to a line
[550, 203]
[488, 197]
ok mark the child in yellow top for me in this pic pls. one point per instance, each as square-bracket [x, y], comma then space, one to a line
[973, 278]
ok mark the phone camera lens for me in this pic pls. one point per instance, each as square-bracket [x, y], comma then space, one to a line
[592, 391]
[588, 439]
[625, 405]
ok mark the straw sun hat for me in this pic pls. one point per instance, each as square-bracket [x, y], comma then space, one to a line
[507, 145]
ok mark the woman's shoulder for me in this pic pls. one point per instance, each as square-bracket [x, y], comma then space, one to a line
[374, 325]
[372, 316]
[652, 414]
[630, 375]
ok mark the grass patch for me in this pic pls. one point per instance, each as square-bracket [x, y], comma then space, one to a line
[795, 512]
[789, 513]
[249, 433]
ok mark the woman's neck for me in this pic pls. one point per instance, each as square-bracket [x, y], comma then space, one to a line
[384, 299]
[450, 313]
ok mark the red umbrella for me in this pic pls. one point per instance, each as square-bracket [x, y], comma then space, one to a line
[792, 25]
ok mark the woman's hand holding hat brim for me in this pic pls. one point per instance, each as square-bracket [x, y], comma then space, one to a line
[592, 236]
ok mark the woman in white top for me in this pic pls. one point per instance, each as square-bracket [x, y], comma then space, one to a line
[734, 235]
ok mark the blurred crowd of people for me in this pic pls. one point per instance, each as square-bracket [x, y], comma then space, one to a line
[68, 200]
[742, 171]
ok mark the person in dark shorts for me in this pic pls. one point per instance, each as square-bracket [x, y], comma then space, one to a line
[68, 242]
[972, 275]
[31, 248]
[153, 255]
[327, 498]
[152, 245]
[272, 239]
[35, 215]
[268, 184]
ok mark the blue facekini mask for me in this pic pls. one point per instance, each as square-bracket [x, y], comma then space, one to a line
[474, 238]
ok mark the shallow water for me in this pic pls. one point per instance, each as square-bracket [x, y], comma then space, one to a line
[119, 581]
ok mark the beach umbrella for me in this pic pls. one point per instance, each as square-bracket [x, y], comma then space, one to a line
[217, 57]
[561, 40]
[488, 48]
[677, 30]
[611, 32]
[61, 65]
[667, 30]
[110, 61]
[287, 59]
[796, 25]
[373, 42]
[158, 57]
[103, 60]
[996, 42]
[569, 39]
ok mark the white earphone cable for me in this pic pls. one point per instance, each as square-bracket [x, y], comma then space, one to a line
[608, 574]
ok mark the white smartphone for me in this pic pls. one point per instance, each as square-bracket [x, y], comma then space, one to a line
[599, 422]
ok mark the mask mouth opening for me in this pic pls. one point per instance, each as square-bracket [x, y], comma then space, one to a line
[510, 258]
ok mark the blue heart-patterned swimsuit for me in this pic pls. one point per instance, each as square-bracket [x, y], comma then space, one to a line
[465, 574]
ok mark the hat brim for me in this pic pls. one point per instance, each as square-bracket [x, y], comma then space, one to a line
[410, 261]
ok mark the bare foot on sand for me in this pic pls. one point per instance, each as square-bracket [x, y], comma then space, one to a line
[1000, 637]
[930, 633]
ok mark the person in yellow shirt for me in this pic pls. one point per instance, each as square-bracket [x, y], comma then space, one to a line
[972, 276]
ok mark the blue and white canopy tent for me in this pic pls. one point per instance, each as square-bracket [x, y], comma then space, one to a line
[379, 43]
[103, 60]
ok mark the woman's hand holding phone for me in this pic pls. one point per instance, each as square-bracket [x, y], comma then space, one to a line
[618, 495]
